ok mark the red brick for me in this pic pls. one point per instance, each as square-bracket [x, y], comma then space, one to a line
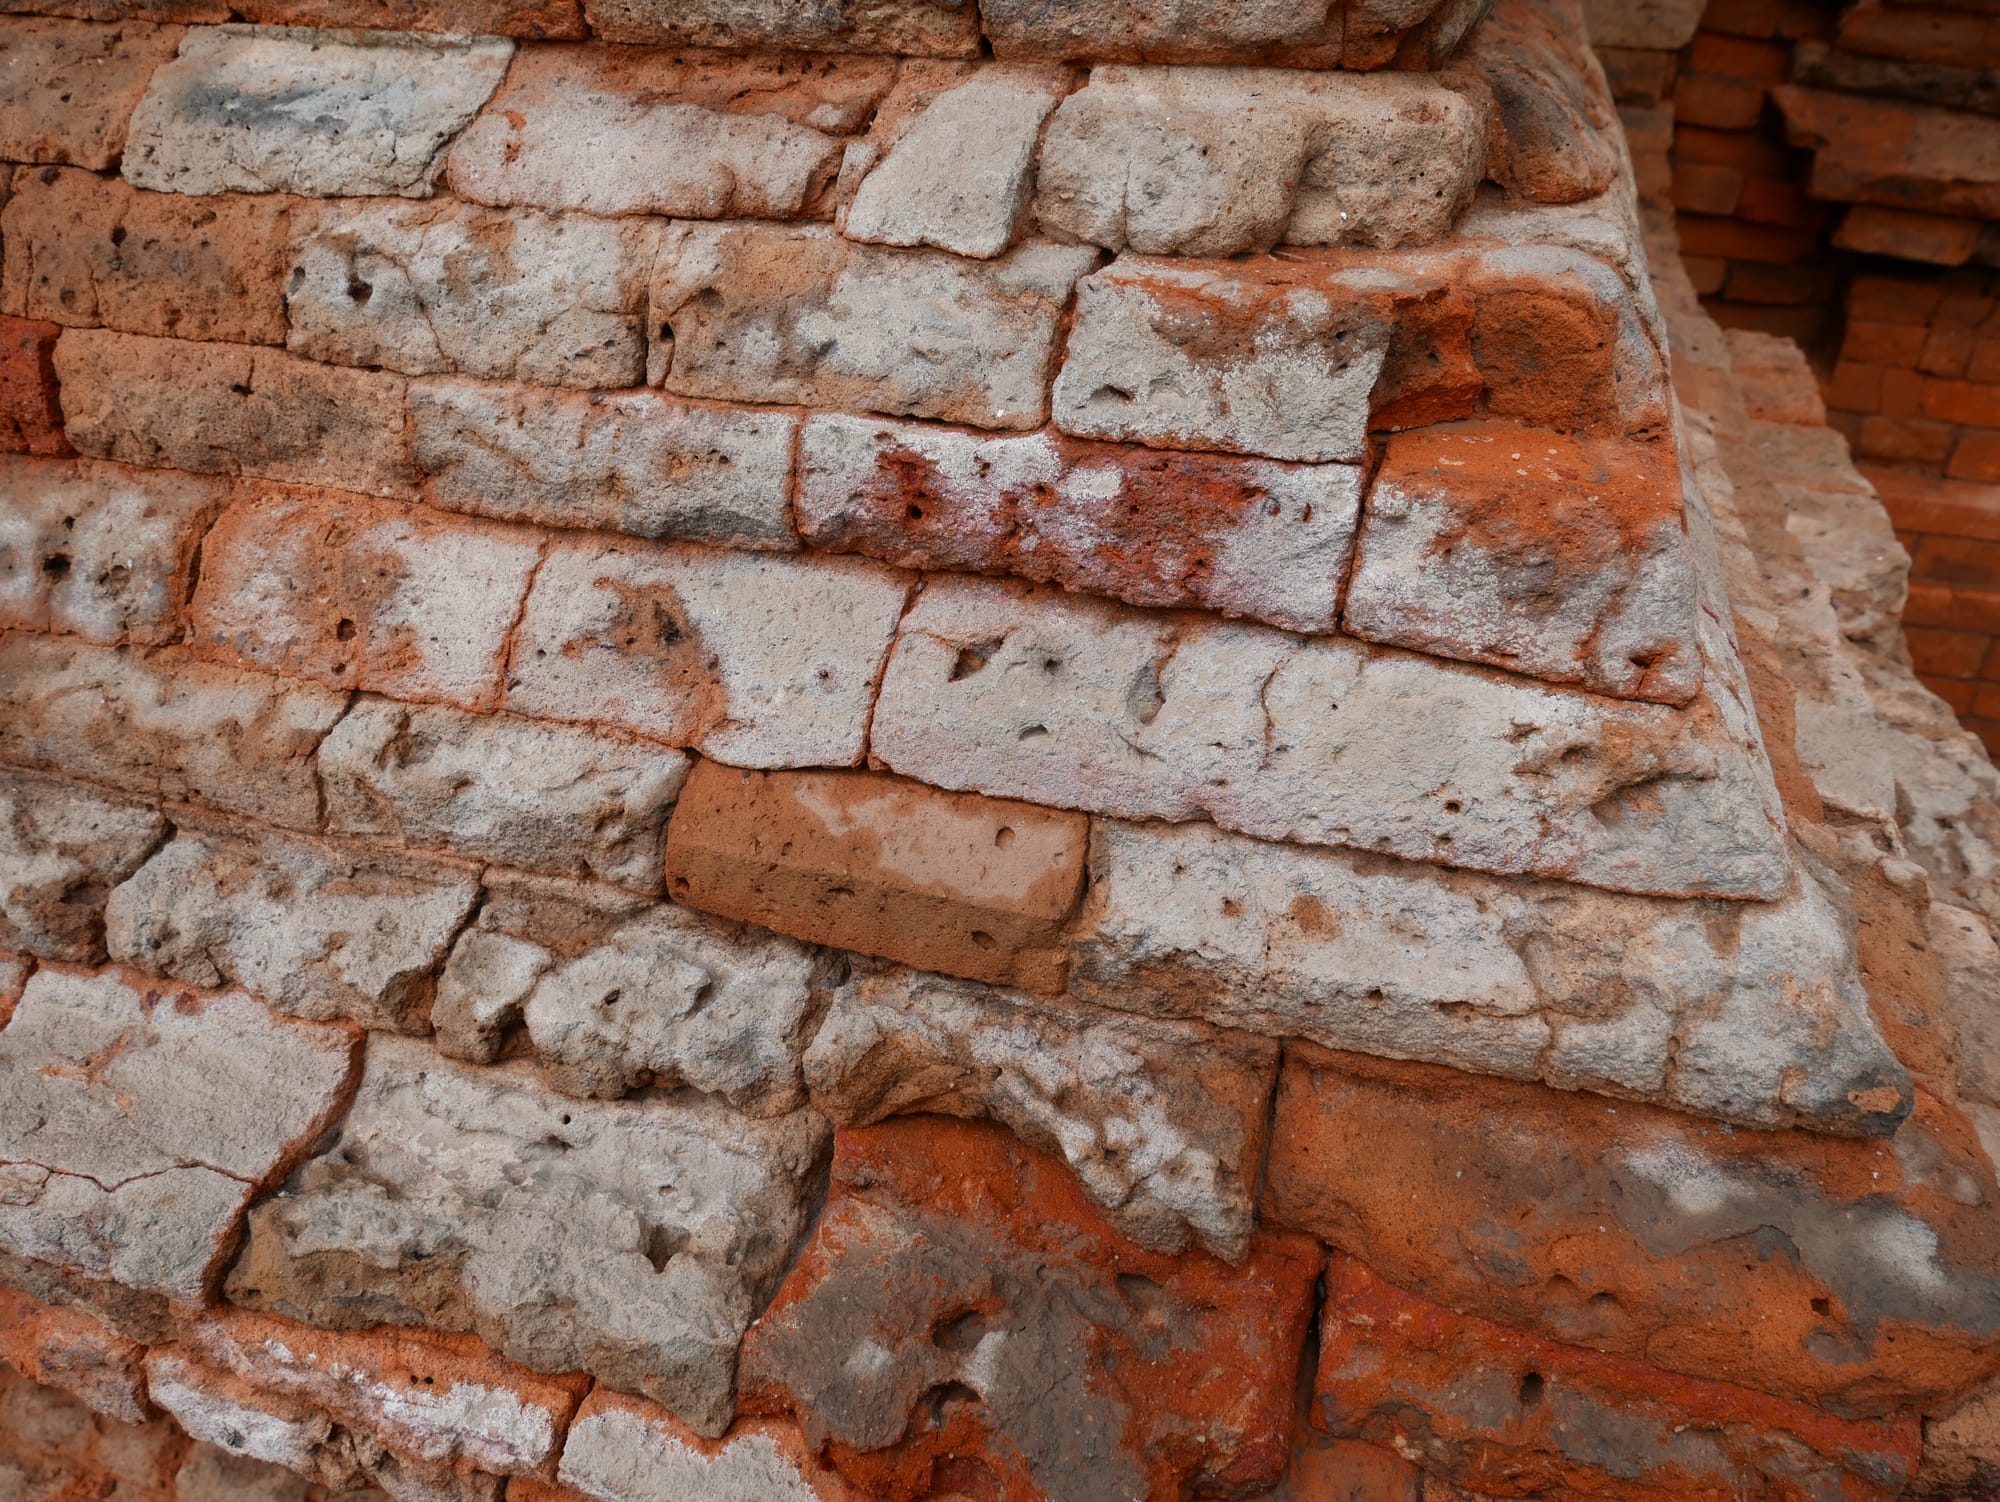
[1801, 324]
[1766, 200]
[362, 594]
[1767, 18]
[1719, 102]
[1902, 393]
[1973, 403]
[1702, 189]
[1742, 149]
[1968, 562]
[1969, 610]
[1945, 34]
[1496, 1409]
[1855, 387]
[1879, 343]
[31, 420]
[1733, 239]
[1737, 57]
[1985, 701]
[1325, 1469]
[1985, 362]
[1848, 426]
[1947, 352]
[1967, 310]
[1946, 654]
[1988, 732]
[1638, 75]
[953, 882]
[66, 1348]
[1706, 273]
[1941, 239]
[1977, 456]
[1889, 299]
[1905, 440]
[1956, 692]
[540, 20]
[1924, 503]
[1779, 285]
[1125, 1373]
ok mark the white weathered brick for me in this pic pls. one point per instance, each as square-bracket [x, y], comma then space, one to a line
[771, 313]
[909, 28]
[429, 288]
[1220, 161]
[99, 549]
[1245, 537]
[959, 175]
[135, 1124]
[316, 930]
[622, 1449]
[571, 802]
[609, 131]
[757, 660]
[627, 461]
[166, 726]
[1028, 693]
[62, 849]
[1163, 1122]
[637, 1247]
[255, 109]
[1748, 1011]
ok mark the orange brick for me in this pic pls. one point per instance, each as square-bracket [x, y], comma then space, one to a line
[1740, 57]
[1325, 1469]
[1802, 325]
[1855, 387]
[1941, 606]
[1970, 562]
[1943, 34]
[1925, 503]
[31, 420]
[1713, 100]
[1638, 75]
[1941, 239]
[1947, 654]
[1977, 456]
[67, 1348]
[1779, 285]
[1881, 343]
[1947, 352]
[1766, 200]
[1702, 189]
[1905, 440]
[1973, 403]
[1966, 310]
[1706, 273]
[1988, 731]
[1957, 693]
[1768, 18]
[1985, 701]
[1743, 149]
[1985, 362]
[1770, 244]
[954, 882]
[1890, 299]
[1902, 393]
[1848, 426]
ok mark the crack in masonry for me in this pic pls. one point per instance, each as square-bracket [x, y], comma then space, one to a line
[510, 642]
[116, 1185]
[910, 597]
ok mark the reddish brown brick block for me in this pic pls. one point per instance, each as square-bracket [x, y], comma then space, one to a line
[1902, 393]
[1971, 403]
[1744, 150]
[1706, 273]
[1976, 457]
[1984, 364]
[952, 882]
[1967, 562]
[1699, 188]
[31, 420]
[1888, 299]
[1740, 57]
[1940, 605]
[1924, 503]
[1946, 654]
[1326, 1469]
[1947, 352]
[1906, 440]
[1498, 1410]
[1946, 34]
[68, 88]
[1882, 342]
[1856, 387]
[537, 20]
[68, 1349]
[1941, 239]
[1768, 200]
[1719, 102]
[1769, 244]
[1126, 1372]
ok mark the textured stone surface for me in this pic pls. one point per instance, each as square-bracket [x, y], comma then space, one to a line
[1560, 558]
[961, 1297]
[1162, 1122]
[970, 886]
[316, 930]
[93, 251]
[1243, 537]
[246, 109]
[232, 409]
[1295, 358]
[68, 89]
[528, 19]
[1301, 33]
[629, 461]
[53, 1448]
[428, 288]
[697, 136]
[31, 412]
[624, 1450]
[136, 1122]
[571, 802]
[1859, 1276]
[618, 994]
[1895, 154]
[100, 550]
[1750, 1012]
[362, 594]
[1489, 1406]
[1021, 692]
[68, 1349]
[795, 313]
[1657, 25]
[441, 1399]
[1550, 99]
[1219, 161]
[165, 726]
[958, 177]
[636, 1249]
[62, 849]
[757, 660]
[916, 28]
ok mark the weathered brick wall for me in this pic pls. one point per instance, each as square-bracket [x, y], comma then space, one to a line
[893, 751]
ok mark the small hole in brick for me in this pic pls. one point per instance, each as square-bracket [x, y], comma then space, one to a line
[1003, 837]
[1531, 1390]
[1822, 1306]
[117, 234]
[344, 629]
[612, 998]
[359, 290]
[1453, 806]
[915, 513]
[1033, 733]
[981, 939]
[56, 565]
